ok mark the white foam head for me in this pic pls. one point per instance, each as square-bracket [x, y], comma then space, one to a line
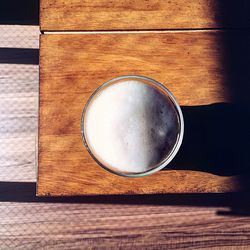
[131, 127]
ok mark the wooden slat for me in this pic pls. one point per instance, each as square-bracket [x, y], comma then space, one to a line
[143, 14]
[73, 66]
[18, 102]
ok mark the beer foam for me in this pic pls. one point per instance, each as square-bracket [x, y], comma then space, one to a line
[130, 126]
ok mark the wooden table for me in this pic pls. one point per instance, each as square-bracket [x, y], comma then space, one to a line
[191, 221]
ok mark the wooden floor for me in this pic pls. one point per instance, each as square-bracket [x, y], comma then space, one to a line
[209, 221]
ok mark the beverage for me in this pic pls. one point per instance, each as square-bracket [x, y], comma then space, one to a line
[131, 126]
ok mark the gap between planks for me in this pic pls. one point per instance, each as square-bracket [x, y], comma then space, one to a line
[143, 31]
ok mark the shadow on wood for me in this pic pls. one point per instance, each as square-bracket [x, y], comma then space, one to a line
[19, 56]
[236, 57]
[216, 140]
[217, 136]
[25, 12]
[238, 203]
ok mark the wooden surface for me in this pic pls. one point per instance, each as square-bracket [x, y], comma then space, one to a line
[18, 101]
[204, 221]
[143, 14]
[166, 222]
[72, 66]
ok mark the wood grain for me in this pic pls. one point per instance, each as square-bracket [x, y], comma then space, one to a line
[73, 66]
[112, 226]
[143, 14]
[30, 222]
[18, 102]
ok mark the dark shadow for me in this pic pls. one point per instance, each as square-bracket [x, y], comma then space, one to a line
[236, 59]
[238, 202]
[231, 13]
[19, 56]
[235, 211]
[26, 192]
[216, 140]
[21, 12]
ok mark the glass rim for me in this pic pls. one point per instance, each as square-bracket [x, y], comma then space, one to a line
[169, 157]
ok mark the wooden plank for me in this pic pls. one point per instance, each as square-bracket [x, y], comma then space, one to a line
[73, 66]
[127, 226]
[19, 36]
[144, 14]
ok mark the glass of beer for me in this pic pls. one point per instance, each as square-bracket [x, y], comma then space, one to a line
[132, 126]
